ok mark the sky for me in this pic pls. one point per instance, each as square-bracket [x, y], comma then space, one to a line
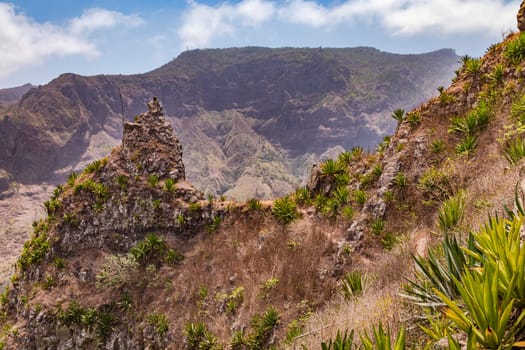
[41, 39]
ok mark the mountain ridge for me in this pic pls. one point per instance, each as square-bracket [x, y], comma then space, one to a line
[58, 120]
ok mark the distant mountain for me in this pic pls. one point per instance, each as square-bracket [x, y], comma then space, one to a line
[252, 120]
[13, 95]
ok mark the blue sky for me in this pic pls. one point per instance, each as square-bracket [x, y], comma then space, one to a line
[41, 39]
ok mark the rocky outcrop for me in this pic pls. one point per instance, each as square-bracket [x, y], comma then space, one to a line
[521, 17]
[150, 147]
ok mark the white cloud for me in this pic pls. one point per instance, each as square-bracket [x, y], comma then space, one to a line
[98, 18]
[25, 42]
[408, 16]
[201, 23]
[453, 16]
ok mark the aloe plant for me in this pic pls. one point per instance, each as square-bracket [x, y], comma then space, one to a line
[485, 315]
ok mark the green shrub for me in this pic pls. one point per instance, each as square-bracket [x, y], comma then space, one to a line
[51, 206]
[122, 182]
[302, 196]
[284, 210]
[437, 146]
[450, 213]
[214, 224]
[95, 166]
[377, 226]
[153, 180]
[330, 168]
[435, 273]
[199, 337]
[263, 327]
[57, 192]
[172, 257]
[497, 75]
[389, 241]
[341, 342]
[400, 180]
[357, 152]
[238, 339]
[382, 341]
[435, 184]
[330, 207]
[360, 197]
[445, 98]
[159, 323]
[467, 146]
[517, 110]
[399, 115]
[413, 119]
[514, 150]
[35, 249]
[345, 158]
[150, 247]
[353, 284]
[472, 66]
[515, 50]
[341, 195]
[254, 204]
[72, 178]
[194, 207]
[59, 262]
[342, 179]
[347, 212]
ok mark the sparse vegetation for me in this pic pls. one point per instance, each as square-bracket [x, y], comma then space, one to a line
[514, 150]
[159, 323]
[451, 212]
[413, 119]
[360, 197]
[399, 115]
[153, 180]
[467, 146]
[437, 146]
[515, 49]
[284, 210]
[253, 204]
[353, 284]
[36, 248]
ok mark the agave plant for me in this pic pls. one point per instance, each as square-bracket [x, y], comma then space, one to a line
[485, 314]
[434, 275]
[382, 340]
[398, 114]
[341, 342]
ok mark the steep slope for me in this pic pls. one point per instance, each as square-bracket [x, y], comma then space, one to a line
[302, 101]
[128, 258]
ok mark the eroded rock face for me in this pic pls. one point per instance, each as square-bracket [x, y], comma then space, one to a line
[521, 17]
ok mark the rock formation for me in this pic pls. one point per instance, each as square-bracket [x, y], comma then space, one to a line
[151, 145]
[521, 17]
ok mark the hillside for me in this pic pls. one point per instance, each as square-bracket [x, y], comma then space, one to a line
[133, 256]
[289, 106]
